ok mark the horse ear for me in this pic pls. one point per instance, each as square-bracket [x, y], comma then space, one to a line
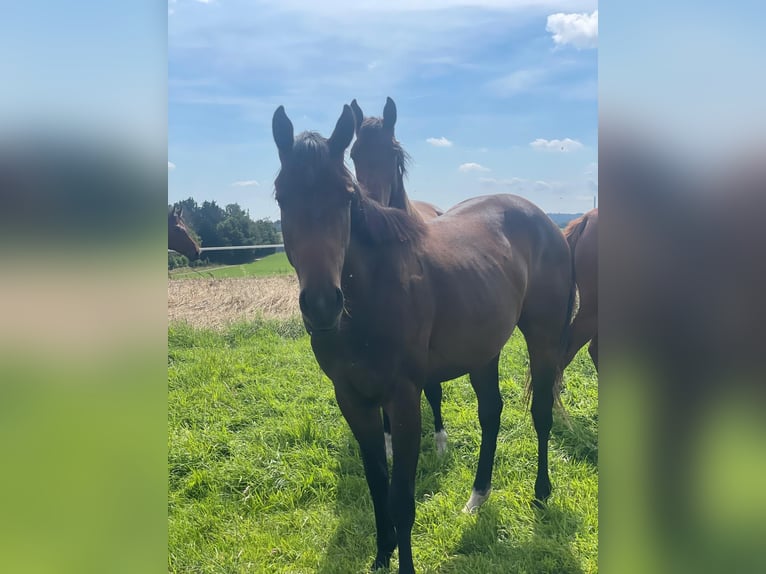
[358, 115]
[343, 133]
[282, 130]
[389, 114]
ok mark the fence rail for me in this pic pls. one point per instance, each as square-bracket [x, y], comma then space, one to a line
[236, 247]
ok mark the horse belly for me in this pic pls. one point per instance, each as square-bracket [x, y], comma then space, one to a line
[464, 341]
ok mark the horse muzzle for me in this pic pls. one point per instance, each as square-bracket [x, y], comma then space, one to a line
[321, 308]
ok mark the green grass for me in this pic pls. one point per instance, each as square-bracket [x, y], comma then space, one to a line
[265, 476]
[275, 264]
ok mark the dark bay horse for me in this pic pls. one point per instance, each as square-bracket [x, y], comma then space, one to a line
[380, 163]
[582, 236]
[392, 303]
[179, 238]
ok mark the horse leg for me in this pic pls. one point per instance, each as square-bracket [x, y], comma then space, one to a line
[485, 384]
[365, 423]
[593, 351]
[544, 372]
[404, 410]
[387, 436]
[433, 392]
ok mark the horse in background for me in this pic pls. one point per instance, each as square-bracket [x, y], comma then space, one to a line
[582, 236]
[179, 237]
[380, 164]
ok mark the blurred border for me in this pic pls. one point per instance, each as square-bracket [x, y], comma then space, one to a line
[683, 198]
[83, 287]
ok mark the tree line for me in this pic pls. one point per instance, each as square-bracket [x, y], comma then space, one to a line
[214, 226]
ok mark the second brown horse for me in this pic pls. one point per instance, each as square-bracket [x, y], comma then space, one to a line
[380, 164]
[582, 236]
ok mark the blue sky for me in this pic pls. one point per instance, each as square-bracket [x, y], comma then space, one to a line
[493, 96]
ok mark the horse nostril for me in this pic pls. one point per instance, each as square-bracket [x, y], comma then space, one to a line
[321, 306]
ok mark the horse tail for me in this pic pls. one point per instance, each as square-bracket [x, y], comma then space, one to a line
[572, 233]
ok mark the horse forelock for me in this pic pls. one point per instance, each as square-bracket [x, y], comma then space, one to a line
[311, 166]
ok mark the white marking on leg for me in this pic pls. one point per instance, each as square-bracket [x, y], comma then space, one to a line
[440, 438]
[389, 446]
[476, 500]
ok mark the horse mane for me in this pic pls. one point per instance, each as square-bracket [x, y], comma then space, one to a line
[398, 194]
[376, 224]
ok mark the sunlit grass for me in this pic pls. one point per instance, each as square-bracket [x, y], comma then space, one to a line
[265, 476]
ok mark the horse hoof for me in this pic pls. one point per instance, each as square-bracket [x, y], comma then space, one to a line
[380, 564]
[441, 442]
[538, 504]
[543, 490]
[476, 500]
[389, 446]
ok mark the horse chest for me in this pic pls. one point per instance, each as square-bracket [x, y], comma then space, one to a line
[370, 367]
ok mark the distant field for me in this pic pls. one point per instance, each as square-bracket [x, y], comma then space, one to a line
[275, 264]
[265, 476]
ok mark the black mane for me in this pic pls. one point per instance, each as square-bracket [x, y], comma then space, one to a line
[375, 224]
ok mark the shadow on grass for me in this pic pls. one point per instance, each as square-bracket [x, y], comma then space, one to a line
[487, 546]
[351, 547]
[578, 439]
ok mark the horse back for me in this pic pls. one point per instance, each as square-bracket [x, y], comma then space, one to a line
[485, 259]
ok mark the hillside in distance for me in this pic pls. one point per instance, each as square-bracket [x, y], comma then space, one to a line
[561, 219]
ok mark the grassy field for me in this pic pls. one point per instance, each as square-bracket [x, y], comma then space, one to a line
[265, 476]
[275, 264]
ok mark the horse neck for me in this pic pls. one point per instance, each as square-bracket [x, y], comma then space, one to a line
[368, 261]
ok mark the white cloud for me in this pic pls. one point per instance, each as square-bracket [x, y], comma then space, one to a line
[245, 183]
[471, 166]
[439, 142]
[565, 145]
[580, 30]
[171, 166]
